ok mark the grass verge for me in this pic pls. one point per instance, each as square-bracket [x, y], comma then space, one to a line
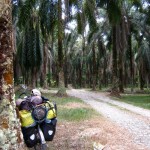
[142, 101]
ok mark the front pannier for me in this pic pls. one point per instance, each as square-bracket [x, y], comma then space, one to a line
[51, 111]
[26, 118]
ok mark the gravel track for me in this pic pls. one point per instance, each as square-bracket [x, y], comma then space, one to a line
[133, 119]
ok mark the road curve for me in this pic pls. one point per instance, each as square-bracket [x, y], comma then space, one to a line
[134, 119]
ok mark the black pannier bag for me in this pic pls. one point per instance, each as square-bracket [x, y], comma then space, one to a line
[49, 129]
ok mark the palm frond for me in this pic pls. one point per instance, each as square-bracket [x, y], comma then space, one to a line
[24, 13]
[89, 9]
[102, 3]
[113, 8]
[144, 55]
[48, 16]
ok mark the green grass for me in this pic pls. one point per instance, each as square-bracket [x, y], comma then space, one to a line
[71, 114]
[76, 114]
[62, 100]
[137, 100]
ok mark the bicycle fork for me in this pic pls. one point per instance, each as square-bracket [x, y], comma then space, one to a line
[41, 135]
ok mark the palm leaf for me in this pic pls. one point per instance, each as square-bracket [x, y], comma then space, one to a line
[25, 11]
[48, 16]
[89, 9]
[113, 8]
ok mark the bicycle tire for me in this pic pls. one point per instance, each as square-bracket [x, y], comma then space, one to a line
[44, 147]
[41, 147]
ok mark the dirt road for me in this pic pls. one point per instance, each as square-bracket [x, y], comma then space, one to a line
[132, 119]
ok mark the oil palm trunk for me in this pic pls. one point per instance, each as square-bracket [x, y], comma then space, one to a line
[45, 64]
[114, 90]
[94, 68]
[61, 90]
[10, 133]
[131, 57]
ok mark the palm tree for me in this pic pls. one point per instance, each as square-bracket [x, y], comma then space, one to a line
[10, 126]
[62, 90]
[81, 25]
[48, 20]
[113, 8]
[29, 47]
[37, 23]
[90, 7]
[121, 38]
[140, 29]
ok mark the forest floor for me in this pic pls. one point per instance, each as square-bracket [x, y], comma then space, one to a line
[119, 127]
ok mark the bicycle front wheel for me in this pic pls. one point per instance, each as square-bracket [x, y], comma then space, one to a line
[44, 147]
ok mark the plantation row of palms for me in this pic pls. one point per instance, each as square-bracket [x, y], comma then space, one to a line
[86, 43]
[96, 43]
